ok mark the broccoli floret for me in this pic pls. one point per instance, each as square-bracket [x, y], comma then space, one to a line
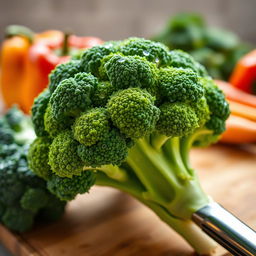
[91, 59]
[124, 72]
[184, 31]
[215, 99]
[11, 187]
[22, 193]
[181, 59]
[132, 129]
[38, 110]
[202, 111]
[8, 150]
[102, 93]
[34, 199]
[221, 40]
[66, 189]
[91, 126]
[63, 71]
[38, 157]
[72, 96]
[18, 219]
[133, 112]
[54, 126]
[6, 133]
[177, 119]
[218, 106]
[152, 51]
[177, 84]
[63, 157]
[16, 128]
[111, 149]
[14, 118]
[217, 49]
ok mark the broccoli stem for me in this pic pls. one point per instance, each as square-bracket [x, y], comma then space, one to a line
[160, 179]
[186, 228]
[111, 171]
[187, 143]
[167, 180]
[151, 169]
[158, 140]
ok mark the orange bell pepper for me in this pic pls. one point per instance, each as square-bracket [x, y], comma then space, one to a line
[13, 58]
[23, 78]
[244, 75]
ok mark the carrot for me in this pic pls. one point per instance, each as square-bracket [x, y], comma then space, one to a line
[236, 95]
[239, 130]
[242, 110]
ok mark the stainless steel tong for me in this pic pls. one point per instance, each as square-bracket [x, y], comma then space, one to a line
[226, 229]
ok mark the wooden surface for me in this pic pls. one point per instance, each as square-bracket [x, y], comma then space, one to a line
[108, 222]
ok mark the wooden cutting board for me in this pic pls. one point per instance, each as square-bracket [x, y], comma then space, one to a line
[108, 222]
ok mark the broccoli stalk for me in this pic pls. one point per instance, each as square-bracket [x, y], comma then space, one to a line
[164, 184]
[186, 228]
[128, 119]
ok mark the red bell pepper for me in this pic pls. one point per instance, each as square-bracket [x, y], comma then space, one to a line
[49, 50]
[244, 74]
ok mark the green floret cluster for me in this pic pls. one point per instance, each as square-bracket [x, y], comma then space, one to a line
[23, 195]
[67, 189]
[217, 49]
[127, 119]
[63, 71]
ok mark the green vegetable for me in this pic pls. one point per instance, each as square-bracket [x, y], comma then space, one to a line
[63, 71]
[217, 49]
[40, 149]
[22, 194]
[151, 113]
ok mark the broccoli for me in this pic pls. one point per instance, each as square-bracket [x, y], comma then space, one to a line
[23, 195]
[16, 128]
[67, 189]
[80, 89]
[38, 110]
[132, 129]
[217, 49]
[40, 149]
[63, 71]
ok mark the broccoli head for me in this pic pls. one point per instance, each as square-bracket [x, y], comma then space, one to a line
[136, 109]
[217, 49]
[22, 193]
[34, 199]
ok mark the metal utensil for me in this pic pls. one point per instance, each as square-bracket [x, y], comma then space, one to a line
[226, 229]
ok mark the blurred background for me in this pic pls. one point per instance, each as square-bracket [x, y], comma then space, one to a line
[118, 19]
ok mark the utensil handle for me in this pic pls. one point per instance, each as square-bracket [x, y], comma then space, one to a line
[226, 229]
